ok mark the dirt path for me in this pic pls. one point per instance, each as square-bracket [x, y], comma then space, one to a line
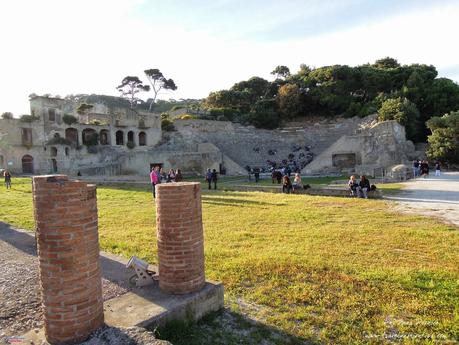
[432, 196]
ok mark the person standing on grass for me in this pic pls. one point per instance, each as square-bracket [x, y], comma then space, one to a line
[214, 178]
[256, 173]
[437, 169]
[155, 179]
[209, 178]
[286, 185]
[7, 176]
[178, 175]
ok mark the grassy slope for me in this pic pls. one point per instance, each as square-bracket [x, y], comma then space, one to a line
[327, 269]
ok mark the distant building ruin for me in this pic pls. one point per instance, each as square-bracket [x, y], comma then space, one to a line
[102, 135]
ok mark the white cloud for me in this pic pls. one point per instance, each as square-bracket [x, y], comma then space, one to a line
[63, 47]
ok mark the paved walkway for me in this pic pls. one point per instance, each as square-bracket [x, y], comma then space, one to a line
[432, 196]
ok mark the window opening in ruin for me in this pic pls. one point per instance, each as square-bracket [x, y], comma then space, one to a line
[26, 134]
[104, 137]
[2, 161]
[130, 137]
[66, 151]
[119, 138]
[53, 151]
[54, 163]
[344, 160]
[89, 137]
[141, 123]
[71, 134]
[142, 139]
[51, 115]
[27, 164]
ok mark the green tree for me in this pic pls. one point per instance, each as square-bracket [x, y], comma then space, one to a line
[386, 62]
[288, 100]
[281, 72]
[130, 86]
[158, 82]
[401, 110]
[7, 115]
[444, 140]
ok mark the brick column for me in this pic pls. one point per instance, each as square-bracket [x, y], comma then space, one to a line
[68, 250]
[180, 237]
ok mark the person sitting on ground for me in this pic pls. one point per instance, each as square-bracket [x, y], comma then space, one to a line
[7, 176]
[353, 184]
[286, 185]
[209, 178]
[214, 178]
[364, 187]
[297, 184]
[178, 176]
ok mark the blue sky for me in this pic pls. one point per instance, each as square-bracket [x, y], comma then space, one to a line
[88, 46]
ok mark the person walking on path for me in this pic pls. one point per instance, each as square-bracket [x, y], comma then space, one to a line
[209, 178]
[415, 168]
[256, 173]
[155, 179]
[437, 169]
[214, 178]
[7, 176]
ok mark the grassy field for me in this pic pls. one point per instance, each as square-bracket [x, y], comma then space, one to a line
[313, 269]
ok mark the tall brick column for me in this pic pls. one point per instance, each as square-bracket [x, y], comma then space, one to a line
[180, 237]
[68, 250]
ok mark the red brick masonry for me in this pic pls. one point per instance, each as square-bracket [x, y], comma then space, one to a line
[68, 250]
[180, 237]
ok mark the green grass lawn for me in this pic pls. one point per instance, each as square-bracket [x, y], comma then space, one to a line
[321, 269]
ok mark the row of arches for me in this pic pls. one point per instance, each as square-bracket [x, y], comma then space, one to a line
[92, 137]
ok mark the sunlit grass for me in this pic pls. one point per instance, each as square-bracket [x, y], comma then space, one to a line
[335, 270]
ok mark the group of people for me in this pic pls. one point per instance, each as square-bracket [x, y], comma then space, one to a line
[421, 168]
[360, 188]
[158, 175]
[212, 177]
[292, 187]
[7, 176]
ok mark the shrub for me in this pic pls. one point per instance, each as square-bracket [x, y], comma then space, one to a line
[28, 118]
[402, 111]
[167, 125]
[188, 117]
[69, 119]
[444, 141]
[266, 120]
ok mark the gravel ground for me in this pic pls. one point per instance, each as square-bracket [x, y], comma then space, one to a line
[432, 196]
[20, 301]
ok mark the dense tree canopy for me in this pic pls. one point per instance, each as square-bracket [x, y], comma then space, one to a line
[343, 90]
[444, 140]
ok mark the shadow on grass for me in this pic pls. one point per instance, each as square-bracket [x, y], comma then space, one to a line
[235, 202]
[227, 327]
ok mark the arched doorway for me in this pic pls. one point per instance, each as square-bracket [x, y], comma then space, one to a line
[27, 164]
[54, 163]
[104, 137]
[119, 138]
[130, 137]
[71, 134]
[142, 139]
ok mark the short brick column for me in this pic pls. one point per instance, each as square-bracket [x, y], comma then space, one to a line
[180, 237]
[68, 251]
